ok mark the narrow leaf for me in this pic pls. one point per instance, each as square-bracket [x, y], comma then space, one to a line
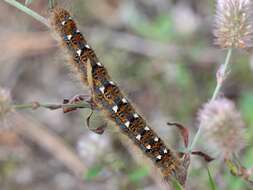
[176, 185]
[211, 181]
[206, 157]
[184, 132]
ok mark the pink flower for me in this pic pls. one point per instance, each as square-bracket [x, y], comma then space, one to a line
[223, 127]
[234, 24]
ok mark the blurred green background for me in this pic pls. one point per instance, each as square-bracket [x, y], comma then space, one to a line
[161, 54]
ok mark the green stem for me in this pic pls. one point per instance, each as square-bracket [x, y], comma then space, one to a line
[51, 4]
[28, 11]
[23, 106]
[219, 84]
[195, 140]
[50, 106]
[215, 95]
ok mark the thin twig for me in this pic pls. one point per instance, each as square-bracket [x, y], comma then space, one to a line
[51, 4]
[222, 75]
[35, 105]
[28, 11]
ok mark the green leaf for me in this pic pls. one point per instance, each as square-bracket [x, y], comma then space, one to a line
[176, 185]
[211, 181]
[138, 174]
[93, 172]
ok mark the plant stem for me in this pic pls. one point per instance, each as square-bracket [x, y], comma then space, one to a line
[35, 105]
[223, 73]
[51, 4]
[28, 11]
[215, 95]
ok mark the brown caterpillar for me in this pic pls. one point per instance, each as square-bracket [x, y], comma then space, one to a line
[109, 98]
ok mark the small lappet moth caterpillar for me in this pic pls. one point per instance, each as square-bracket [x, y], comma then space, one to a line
[108, 98]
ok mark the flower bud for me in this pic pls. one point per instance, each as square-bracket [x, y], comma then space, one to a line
[234, 24]
[222, 125]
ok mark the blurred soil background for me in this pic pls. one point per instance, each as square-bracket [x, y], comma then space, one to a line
[161, 54]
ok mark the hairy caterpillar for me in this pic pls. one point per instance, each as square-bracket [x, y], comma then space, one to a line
[108, 97]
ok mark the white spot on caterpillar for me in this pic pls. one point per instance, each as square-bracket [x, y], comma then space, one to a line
[135, 115]
[79, 52]
[99, 64]
[115, 108]
[63, 23]
[69, 37]
[165, 151]
[87, 46]
[127, 124]
[138, 137]
[102, 89]
[124, 100]
[77, 31]
[159, 157]
[148, 147]
[111, 82]
[147, 128]
[156, 139]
